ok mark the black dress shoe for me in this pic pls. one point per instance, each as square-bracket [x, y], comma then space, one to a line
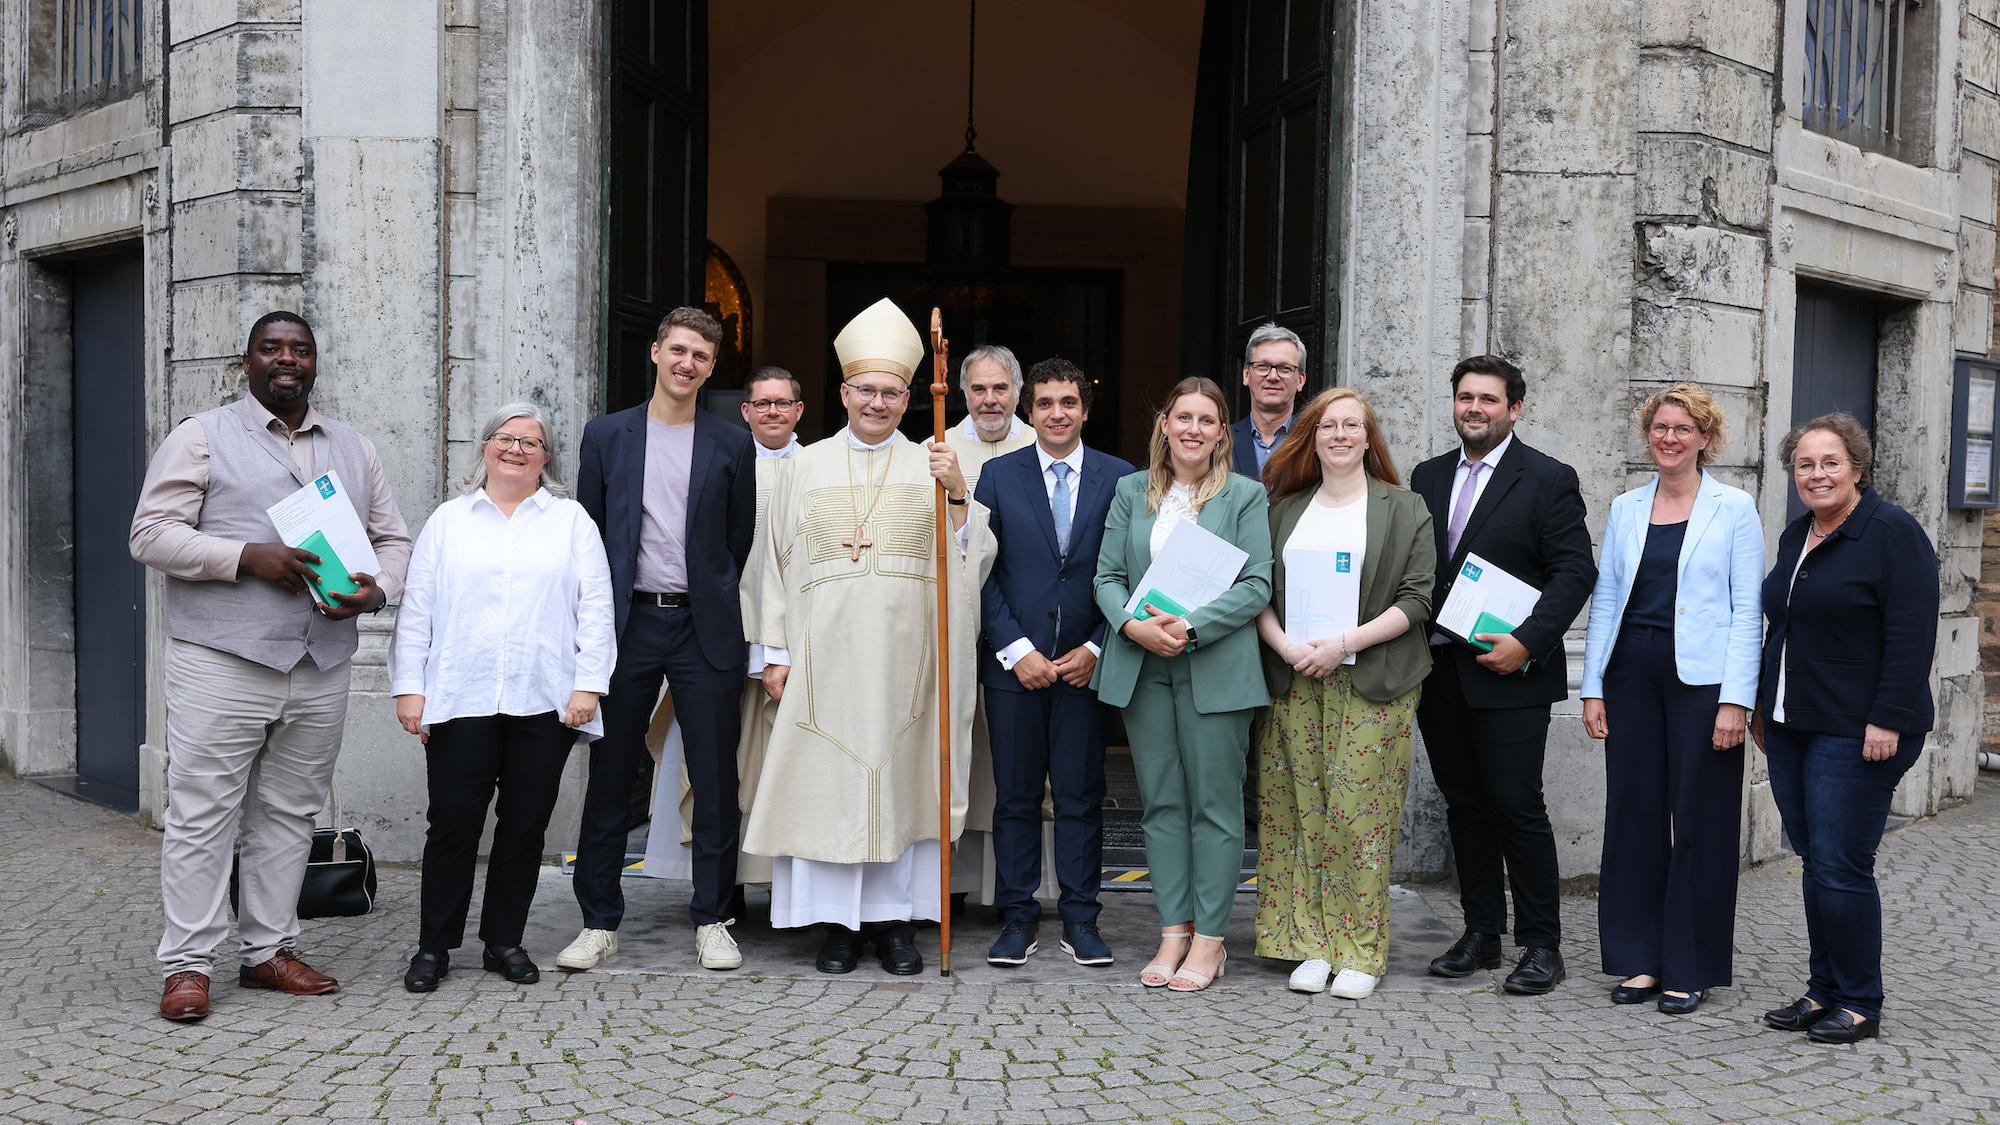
[842, 951]
[426, 970]
[1470, 953]
[1682, 1005]
[1539, 971]
[512, 963]
[1843, 1026]
[896, 949]
[1799, 1015]
[1634, 994]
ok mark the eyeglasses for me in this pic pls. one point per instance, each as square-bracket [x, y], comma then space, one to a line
[1661, 429]
[1829, 467]
[1343, 426]
[524, 444]
[771, 405]
[890, 396]
[1267, 369]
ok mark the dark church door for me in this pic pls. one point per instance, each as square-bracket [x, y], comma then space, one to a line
[656, 180]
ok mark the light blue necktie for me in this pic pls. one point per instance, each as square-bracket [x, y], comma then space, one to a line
[1059, 505]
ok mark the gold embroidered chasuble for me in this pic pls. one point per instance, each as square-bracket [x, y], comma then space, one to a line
[846, 585]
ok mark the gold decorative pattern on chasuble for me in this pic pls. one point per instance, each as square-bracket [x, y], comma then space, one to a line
[901, 526]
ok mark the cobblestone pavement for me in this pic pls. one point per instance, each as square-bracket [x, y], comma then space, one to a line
[79, 1041]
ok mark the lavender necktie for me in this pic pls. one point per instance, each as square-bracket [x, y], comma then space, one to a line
[1467, 493]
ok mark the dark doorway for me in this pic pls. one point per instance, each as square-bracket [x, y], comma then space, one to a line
[108, 429]
[656, 189]
[1038, 313]
[1836, 338]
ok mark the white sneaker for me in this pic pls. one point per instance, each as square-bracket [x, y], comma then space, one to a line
[589, 948]
[714, 948]
[1310, 976]
[1353, 984]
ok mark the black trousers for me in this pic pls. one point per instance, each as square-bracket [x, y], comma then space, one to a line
[1488, 765]
[466, 760]
[1666, 900]
[659, 645]
[1054, 735]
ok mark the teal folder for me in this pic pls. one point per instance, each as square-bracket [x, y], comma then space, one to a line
[1487, 623]
[1158, 600]
[331, 573]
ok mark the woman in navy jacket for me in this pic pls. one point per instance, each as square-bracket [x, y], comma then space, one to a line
[1669, 678]
[1843, 707]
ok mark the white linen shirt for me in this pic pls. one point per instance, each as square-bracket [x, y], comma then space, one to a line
[505, 616]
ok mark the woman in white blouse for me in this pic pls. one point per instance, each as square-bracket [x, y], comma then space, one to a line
[503, 646]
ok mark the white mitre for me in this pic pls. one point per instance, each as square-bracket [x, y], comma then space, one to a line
[881, 339]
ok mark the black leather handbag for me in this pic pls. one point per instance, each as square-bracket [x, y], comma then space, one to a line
[340, 873]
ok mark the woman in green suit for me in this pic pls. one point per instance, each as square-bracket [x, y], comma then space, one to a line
[1187, 685]
[1333, 757]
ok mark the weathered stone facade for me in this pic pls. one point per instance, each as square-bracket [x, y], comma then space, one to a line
[1617, 194]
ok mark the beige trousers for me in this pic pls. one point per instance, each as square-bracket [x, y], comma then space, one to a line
[250, 755]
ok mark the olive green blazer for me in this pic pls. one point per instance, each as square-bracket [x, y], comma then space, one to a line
[1398, 568]
[1223, 664]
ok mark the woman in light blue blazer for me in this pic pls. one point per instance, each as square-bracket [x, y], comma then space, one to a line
[1669, 678]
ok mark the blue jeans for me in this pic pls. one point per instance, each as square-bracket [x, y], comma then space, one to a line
[1834, 804]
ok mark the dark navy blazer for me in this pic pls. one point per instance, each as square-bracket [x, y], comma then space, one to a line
[1858, 627]
[721, 515]
[1032, 591]
[1243, 448]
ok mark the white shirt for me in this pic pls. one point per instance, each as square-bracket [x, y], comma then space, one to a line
[1492, 463]
[1778, 698]
[781, 454]
[1177, 506]
[505, 616]
[1022, 646]
[970, 429]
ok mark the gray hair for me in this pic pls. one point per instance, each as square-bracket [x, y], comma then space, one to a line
[550, 479]
[999, 354]
[1269, 333]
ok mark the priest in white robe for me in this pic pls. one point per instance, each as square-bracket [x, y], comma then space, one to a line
[847, 800]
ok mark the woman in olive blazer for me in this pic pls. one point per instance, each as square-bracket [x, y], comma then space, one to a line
[1333, 755]
[1187, 686]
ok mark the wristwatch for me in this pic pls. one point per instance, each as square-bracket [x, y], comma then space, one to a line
[1190, 638]
[960, 502]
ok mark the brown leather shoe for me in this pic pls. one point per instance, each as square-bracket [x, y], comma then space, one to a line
[285, 973]
[185, 997]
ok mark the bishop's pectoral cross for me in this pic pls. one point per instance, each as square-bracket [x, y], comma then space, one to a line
[855, 542]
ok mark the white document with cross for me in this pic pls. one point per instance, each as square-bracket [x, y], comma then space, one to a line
[323, 505]
[1484, 599]
[1322, 595]
[1193, 568]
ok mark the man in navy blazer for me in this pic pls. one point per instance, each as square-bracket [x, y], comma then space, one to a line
[1485, 716]
[1043, 632]
[1274, 371]
[674, 492]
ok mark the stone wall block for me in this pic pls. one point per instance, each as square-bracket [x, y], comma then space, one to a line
[1975, 255]
[1478, 249]
[1764, 834]
[1566, 86]
[1976, 195]
[1745, 33]
[461, 13]
[236, 233]
[1473, 318]
[1692, 179]
[1986, 10]
[461, 215]
[1979, 122]
[1972, 321]
[1702, 263]
[238, 151]
[1478, 177]
[212, 316]
[460, 320]
[195, 387]
[1979, 55]
[1482, 24]
[1690, 92]
[257, 69]
[1713, 344]
[196, 18]
[1479, 93]
[1958, 579]
[461, 68]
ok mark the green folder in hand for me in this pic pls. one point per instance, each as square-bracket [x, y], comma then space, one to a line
[1159, 601]
[1487, 623]
[332, 574]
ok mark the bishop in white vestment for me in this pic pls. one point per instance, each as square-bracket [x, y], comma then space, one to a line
[847, 799]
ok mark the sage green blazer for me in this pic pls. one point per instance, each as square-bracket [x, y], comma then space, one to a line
[1398, 568]
[1223, 664]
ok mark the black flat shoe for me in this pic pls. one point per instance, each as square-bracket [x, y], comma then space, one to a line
[1634, 994]
[841, 953]
[511, 963]
[896, 949]
[1682, 1005]
[1470, 953]
[1799, 1015]
[426, 970]
[1538, 972]
[1842, 1026]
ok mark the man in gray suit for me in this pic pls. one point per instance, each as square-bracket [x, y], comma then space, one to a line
[256, 666]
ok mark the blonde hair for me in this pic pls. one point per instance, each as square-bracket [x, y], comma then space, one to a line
[1700, 406]
[1159, 470]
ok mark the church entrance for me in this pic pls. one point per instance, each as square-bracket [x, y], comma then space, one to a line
[1133, 184]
